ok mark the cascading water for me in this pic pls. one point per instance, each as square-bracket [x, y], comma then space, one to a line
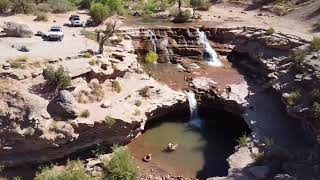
[153, 39]
[212, 56]
[195, 121]
[166, 49]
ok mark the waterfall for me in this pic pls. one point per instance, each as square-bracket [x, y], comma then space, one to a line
[211, 55]
[153, 39]
[195, 121]
[166, 49]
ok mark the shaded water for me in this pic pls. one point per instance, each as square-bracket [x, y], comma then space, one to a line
[199, 154]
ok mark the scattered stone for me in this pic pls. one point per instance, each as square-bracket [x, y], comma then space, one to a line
[63, 105]
[13, 29]
[260, 172]
[127, 37]
[41, 34]
[52, 61]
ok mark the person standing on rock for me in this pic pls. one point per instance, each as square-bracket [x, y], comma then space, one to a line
[228, 91]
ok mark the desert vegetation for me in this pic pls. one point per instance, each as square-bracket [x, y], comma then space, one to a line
[58, 78]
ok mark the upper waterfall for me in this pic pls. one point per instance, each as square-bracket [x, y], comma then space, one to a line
[212, 56]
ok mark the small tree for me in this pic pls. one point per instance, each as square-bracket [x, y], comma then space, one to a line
[99, 12]
[59, 78]
[151, 58]
[195, 4]
[104, 35]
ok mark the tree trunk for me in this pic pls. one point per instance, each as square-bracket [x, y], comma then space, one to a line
[194, 12]
[101, 49]
[179, 4]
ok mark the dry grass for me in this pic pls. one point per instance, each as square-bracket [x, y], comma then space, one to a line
[116, 87]
[95, 95]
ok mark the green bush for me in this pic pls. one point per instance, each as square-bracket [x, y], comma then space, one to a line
[75, 170]
[59, 78]
[113, 5]
[182, 17]
[138, 103]
[243, 140]
[270, 31]
[116, 86]
[294, 98]
[29, 131]
[21, 6]
[260, 158]
[315, 44]
[122, 166]
[60, 6]
[93, 62]
[4, 6]
[87, 55]
[151, 57]
[85, 113]
[41, 17]
[99, 12]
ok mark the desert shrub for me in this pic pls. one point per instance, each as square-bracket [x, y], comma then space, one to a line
[151, 57]
[294, 98]
[243, 140]
[99, 12]
[97, 92]
[136, 112]
[138, 103]
[315, 94]
[59, 77]
[21, 6]
[116, 87]
[4, 6]
[19, 62]
[122, 166]
[315, 44]
[87, 55]
[316, 108]
[182, 17]
[144, 91]
[120, 37]
[41, 17]
[60, 6]
[75, 170]
[93, 62]
[29, 131]
[109, 121]
[298, 55]
[89, 34]
[200, 4]
[270, 31]
[85, 113]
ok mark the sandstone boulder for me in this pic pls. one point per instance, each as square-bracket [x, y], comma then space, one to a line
[13, 29]
[63, 105]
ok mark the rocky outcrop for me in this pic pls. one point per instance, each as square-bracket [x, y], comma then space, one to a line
[13, 29]
[63, 105]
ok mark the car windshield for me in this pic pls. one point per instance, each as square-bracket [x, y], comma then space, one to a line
[55, 30]
[76, 18]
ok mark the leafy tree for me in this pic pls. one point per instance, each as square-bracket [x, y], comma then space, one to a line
[99, 12]
[4, 5]
[114, 5]
[104, 35]
[151, 57]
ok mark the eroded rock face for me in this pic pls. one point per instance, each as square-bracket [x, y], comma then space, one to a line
[63, 105]
[13, 29]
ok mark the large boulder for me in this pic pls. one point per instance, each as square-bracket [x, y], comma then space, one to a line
[260, 172]
[63, 105]
[13, 29]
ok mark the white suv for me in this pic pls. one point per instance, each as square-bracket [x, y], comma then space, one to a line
[56, 33]
[75, 21]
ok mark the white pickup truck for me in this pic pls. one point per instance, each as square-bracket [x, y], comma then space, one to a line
[55, 33]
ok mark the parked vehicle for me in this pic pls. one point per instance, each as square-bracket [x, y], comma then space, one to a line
[75, 20]
[56, 33]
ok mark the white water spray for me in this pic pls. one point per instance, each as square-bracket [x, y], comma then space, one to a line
[195, 121]
[153, 39]
[212, 56]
